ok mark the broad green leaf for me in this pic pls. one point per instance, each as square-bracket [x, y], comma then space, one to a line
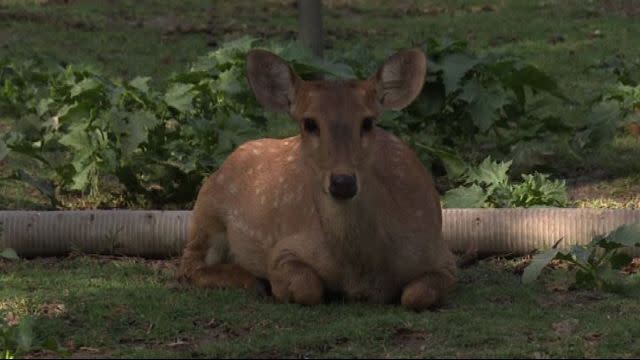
[538, 262]
[136, 130]
[626, 235]
[454, 165]
[465, 197]
[566, 256]
[538, 190]
[84, 86]
[533, 77]
[580, 253]
[529, 154]
[455, 67]
[83, 177]
[64, 110]
[233, 50]
[9, 254]
[204, 64]
[489, 172]
[608, 245]
[141, 83]
[229, 81]
[43, 106]
[180, 97]
[77, 137]
[620, 260]
[25, 335]
[431, 101]
[76, 112]
[485, 107]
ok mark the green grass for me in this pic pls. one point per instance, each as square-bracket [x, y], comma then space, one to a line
[156, 38]
[129, 308]
[132, 38]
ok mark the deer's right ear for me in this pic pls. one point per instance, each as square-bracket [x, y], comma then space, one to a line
[271, 79]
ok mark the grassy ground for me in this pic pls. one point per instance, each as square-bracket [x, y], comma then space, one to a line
[103, 307]
[129, 308]
[154, 38]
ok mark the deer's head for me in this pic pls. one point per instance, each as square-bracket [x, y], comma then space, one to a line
[337, 119]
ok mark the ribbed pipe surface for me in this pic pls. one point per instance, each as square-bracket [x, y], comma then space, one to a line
[163, 233]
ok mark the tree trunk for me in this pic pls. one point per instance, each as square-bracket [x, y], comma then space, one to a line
[311, 25]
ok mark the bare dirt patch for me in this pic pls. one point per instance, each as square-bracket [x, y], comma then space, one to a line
[41, 18]
[629, 8]
[607, 193]
[411, 339]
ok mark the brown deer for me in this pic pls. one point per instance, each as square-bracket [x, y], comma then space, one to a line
[344, 207]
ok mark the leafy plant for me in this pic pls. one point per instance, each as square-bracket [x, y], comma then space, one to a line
[75, 132]
[488, 185]
[19, 339]
[627, 98]
[7, 253]
[597, 264]
[485, 104]
[15, 340]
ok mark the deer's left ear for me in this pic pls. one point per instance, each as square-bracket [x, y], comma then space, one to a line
[399, 80]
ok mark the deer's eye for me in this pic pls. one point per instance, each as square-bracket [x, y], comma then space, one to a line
[367, 125]
[311, 126]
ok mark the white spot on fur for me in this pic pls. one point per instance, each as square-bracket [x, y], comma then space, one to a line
[241, 225]
[233, 189]
[419, 212]
[256, 151]
[259, 166]
[220, 178]
[290, 158]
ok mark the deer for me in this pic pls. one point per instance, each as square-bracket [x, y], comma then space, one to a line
[344, 207]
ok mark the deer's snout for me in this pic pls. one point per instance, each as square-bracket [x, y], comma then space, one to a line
[343, 187]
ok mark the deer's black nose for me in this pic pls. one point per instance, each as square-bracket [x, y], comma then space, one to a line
[343, 187]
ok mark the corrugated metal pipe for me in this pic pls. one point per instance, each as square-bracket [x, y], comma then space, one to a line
[157, 234]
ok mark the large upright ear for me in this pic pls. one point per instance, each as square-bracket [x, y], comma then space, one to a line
[399, 80]
[271, 79]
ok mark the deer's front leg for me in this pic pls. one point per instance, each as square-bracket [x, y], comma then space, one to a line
[427, 290]
[292, 280]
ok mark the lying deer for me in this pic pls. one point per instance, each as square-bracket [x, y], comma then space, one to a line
[343, 207]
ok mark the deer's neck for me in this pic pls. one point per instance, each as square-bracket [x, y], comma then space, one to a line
[350, 229]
